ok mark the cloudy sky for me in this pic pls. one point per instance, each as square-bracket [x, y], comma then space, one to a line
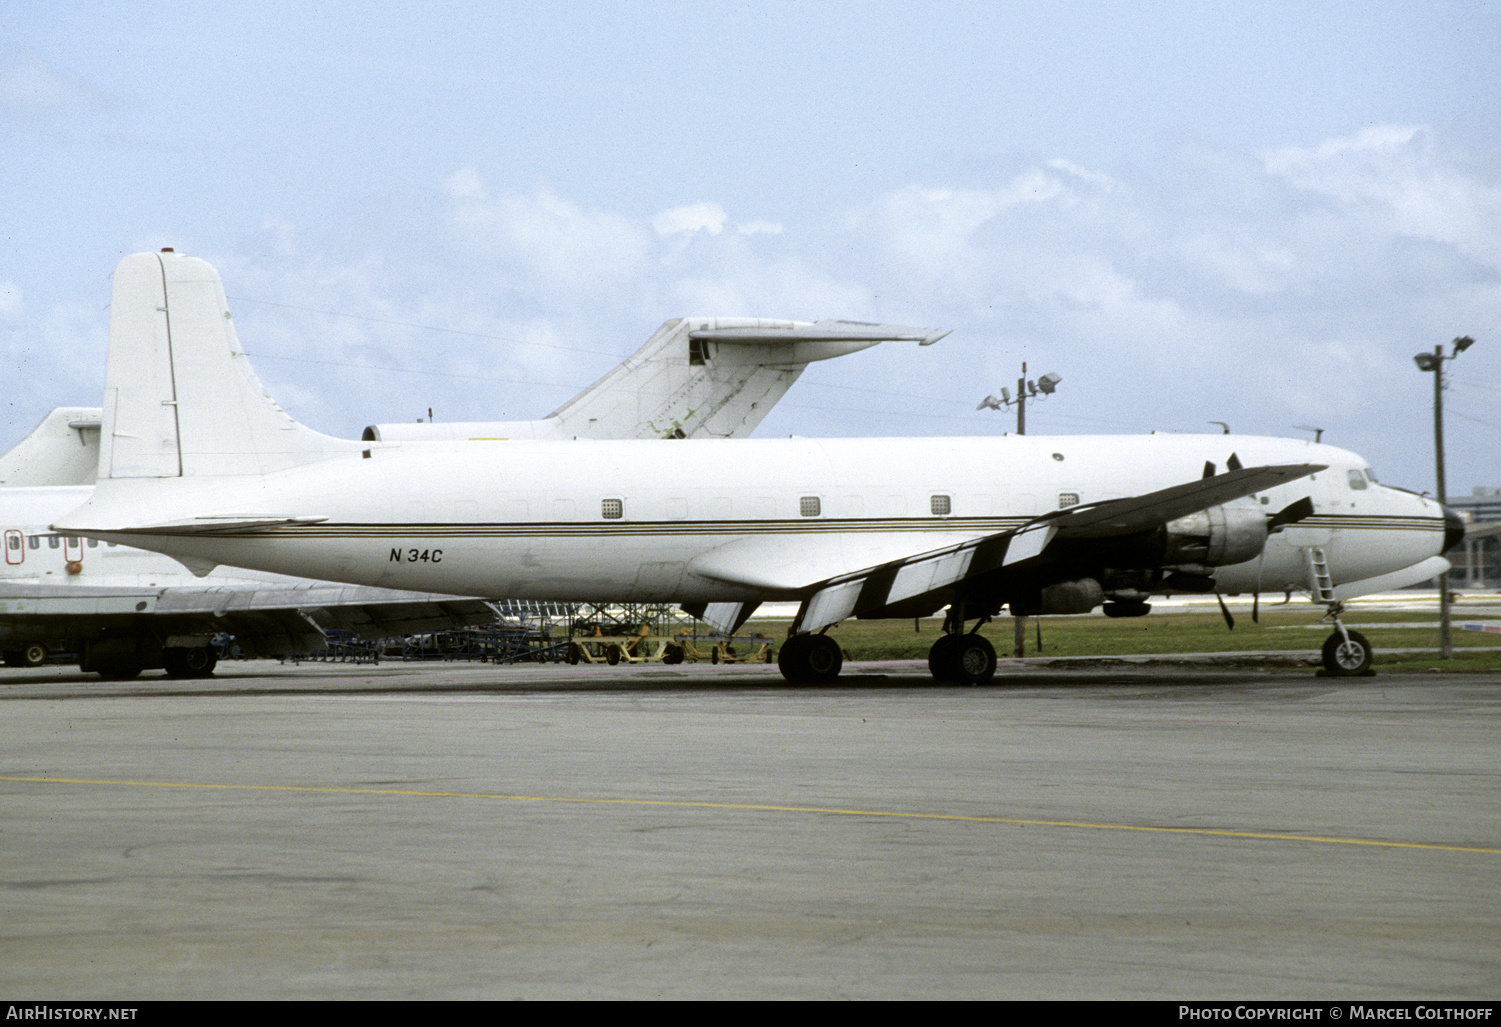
[1244, 212]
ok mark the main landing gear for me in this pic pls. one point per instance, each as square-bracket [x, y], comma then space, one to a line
[964, 657]
[810, 659]
[1346, 653]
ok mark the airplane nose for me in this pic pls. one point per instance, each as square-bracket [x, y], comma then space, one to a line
[1454, 530]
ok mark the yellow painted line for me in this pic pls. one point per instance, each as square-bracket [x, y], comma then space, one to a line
[765, 808]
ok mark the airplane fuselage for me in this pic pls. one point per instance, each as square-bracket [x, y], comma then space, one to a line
[725, 521]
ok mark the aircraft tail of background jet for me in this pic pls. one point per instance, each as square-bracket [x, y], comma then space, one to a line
[180, 397]
[696, 377]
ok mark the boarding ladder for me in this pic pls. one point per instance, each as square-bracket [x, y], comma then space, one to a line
[1320, 584]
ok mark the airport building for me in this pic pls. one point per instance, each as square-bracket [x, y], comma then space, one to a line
[1477, 560]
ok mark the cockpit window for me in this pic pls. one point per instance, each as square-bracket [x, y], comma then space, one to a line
[1357, 480]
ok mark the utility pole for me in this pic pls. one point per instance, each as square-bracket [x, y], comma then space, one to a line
[1019, 624]
[1434, 362]
[1046, 385]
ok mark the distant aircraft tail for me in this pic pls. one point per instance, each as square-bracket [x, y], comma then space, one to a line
[696, 377]
[180, 398]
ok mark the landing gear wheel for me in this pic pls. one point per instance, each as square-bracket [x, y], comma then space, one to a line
[1347, 658]
[973, 659]
[198, 662]
[810, 659]
[33, 654]
[941, 658]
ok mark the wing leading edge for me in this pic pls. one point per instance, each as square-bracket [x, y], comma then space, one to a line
[909, 580]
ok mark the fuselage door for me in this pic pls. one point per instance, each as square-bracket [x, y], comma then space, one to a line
[15, 546]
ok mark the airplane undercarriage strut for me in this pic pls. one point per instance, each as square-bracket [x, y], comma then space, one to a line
[965, 657]
[1346, 653]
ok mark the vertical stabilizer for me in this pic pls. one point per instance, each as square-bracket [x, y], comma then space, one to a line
[180, 398]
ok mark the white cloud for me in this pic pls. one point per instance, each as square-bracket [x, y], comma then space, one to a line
[465, 184]
[1391, 171]
[759, 228]
[556, 240]
[694, 217]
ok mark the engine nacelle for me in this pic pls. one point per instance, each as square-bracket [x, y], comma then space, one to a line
[1216, 537]
[1078, 596]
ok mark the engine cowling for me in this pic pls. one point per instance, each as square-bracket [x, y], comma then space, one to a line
[1216, 537]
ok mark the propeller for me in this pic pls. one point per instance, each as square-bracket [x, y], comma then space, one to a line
[1233, 464]
[1292, 513]
[1229, 620]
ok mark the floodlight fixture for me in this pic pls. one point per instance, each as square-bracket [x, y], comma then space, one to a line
[1427, 361]
[1462, 343]
[1048, 383]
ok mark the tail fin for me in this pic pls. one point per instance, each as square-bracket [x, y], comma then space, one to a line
[696, 377]
[180, 399]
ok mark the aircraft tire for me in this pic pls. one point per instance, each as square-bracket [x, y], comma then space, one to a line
[941, 658]
[974, 660]
[810, 660]
[1347, 659]
[790, 658]
[824, 660]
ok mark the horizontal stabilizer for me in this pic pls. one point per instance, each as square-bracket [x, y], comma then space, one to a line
[821, 331]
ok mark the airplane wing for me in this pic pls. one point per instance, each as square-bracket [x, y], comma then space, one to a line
[265, 619]
[909, 578]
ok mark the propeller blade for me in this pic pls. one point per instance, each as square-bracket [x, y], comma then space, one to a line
[1256, 607]
[1209, 468]
[1229, 620]
[1233, 463]
[1292, 513]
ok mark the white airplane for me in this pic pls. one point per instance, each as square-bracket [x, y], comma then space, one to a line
[197, 461]
[123, 609]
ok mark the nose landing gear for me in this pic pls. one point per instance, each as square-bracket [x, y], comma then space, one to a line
[1346, 653]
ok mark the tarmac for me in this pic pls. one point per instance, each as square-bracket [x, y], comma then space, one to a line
[1178, 831]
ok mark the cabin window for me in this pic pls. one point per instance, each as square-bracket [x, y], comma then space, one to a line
[1067, 499]
[33, 541]
[93, 543]
[13, 540]
[1357, 480]
[612, 509]
[809, 506]
[940, 506]
[53, 542]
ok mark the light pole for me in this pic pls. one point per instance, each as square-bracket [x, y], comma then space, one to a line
[1046, 386]
[1434, 362]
